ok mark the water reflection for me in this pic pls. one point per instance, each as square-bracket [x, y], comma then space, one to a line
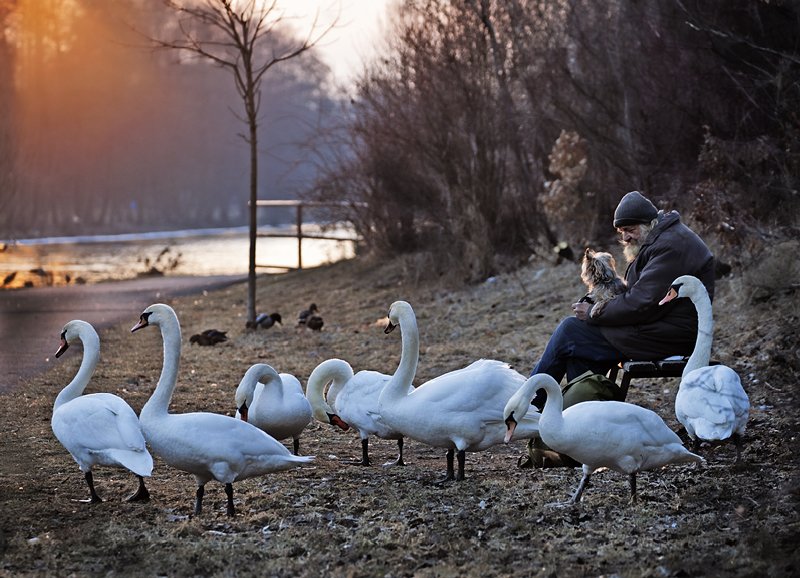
[91, 260]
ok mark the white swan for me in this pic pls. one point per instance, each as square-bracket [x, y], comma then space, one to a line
[274, 403]
[99, 428]
[461, 410]
[352, 400]
[711, 402]
[211, 446]
[621, 436]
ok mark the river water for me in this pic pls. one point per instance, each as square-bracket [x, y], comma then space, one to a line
[91, 259]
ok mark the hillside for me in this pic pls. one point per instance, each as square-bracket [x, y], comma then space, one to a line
[343, 520]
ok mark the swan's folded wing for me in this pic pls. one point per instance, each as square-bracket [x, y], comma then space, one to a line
[98, 424]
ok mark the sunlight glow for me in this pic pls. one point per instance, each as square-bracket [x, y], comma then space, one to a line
[346, 47]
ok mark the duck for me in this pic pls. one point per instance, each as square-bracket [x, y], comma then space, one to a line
[209, 337]
[620, 436]
[711, 403]
[274, 403]
[461, 411]
[315, 323]
[306, 313]
[264, 321]
[208, 445]
[98, 428]
[352, 400]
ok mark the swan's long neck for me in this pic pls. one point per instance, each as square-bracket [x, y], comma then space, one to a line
[334, 371]
[91, 355]
[159, 401]
[270, 378]
[397, 388]
[705, 331]
[554, 406]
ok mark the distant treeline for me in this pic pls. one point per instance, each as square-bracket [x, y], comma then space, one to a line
[100, 133]
[491, 127]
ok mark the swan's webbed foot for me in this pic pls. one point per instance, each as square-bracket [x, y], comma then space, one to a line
[141, 495]
[567, 504]
[364, 455]
[296, 447]
[398, 462]
[360, 462]
[230, 510]
[447, 478]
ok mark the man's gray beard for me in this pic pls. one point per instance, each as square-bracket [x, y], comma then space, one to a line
[631, 250]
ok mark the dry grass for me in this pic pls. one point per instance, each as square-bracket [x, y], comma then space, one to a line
[341, 520]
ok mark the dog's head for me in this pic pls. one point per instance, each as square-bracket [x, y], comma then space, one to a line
[598, 268]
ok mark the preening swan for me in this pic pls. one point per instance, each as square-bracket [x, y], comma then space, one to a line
[711, 402]
[274, 403]
[211, 446]
[461, 410]
[99, 428]
[352, 400]
[612, 434]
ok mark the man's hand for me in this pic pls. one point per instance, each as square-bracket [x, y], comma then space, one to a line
[581, 310]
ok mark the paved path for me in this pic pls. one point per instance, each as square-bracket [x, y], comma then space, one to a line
[30, 319]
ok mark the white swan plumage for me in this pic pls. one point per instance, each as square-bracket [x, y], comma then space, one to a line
[461, 410]
[711, 402]
[352, 400]
[211, 446]
[98, 428]
[620, 436]
[274, 403]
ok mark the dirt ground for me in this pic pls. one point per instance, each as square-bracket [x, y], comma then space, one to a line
[336, 519]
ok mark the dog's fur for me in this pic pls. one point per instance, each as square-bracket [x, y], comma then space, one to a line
[599, 274]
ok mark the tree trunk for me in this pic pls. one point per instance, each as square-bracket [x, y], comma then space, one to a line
[251, 270]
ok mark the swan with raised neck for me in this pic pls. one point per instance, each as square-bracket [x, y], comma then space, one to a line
[99, 428]
[210, 446]
[711, 402]
[461, 410]
[612, 434]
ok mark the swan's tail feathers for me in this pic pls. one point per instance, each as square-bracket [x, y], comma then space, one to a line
[299, 460]
[290, 461]
[690, 457]
[708, 431]
[139, 462]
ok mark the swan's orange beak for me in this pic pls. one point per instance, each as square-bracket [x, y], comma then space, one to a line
[336, 420]
[63, 347]
[389, 327]
[511, 425]
[671, 294]
[243, 412]
[142, 322]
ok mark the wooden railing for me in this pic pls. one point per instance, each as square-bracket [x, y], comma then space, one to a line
[299, 233]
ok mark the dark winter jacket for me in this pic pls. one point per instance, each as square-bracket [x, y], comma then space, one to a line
[634, 322]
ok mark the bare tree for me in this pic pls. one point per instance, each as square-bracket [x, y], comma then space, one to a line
[239, 36]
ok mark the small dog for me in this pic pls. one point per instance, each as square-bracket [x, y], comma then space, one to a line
[599, 274]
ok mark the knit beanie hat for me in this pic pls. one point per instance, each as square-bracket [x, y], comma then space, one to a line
[634, 209]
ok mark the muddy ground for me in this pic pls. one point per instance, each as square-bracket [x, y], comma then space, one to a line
[336, 519]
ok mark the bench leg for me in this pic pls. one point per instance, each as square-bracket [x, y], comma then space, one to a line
[623, 388]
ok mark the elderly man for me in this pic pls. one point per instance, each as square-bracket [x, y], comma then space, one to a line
[658, 248]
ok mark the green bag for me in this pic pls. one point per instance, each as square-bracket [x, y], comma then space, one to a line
[586, 387]
[590, 387]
